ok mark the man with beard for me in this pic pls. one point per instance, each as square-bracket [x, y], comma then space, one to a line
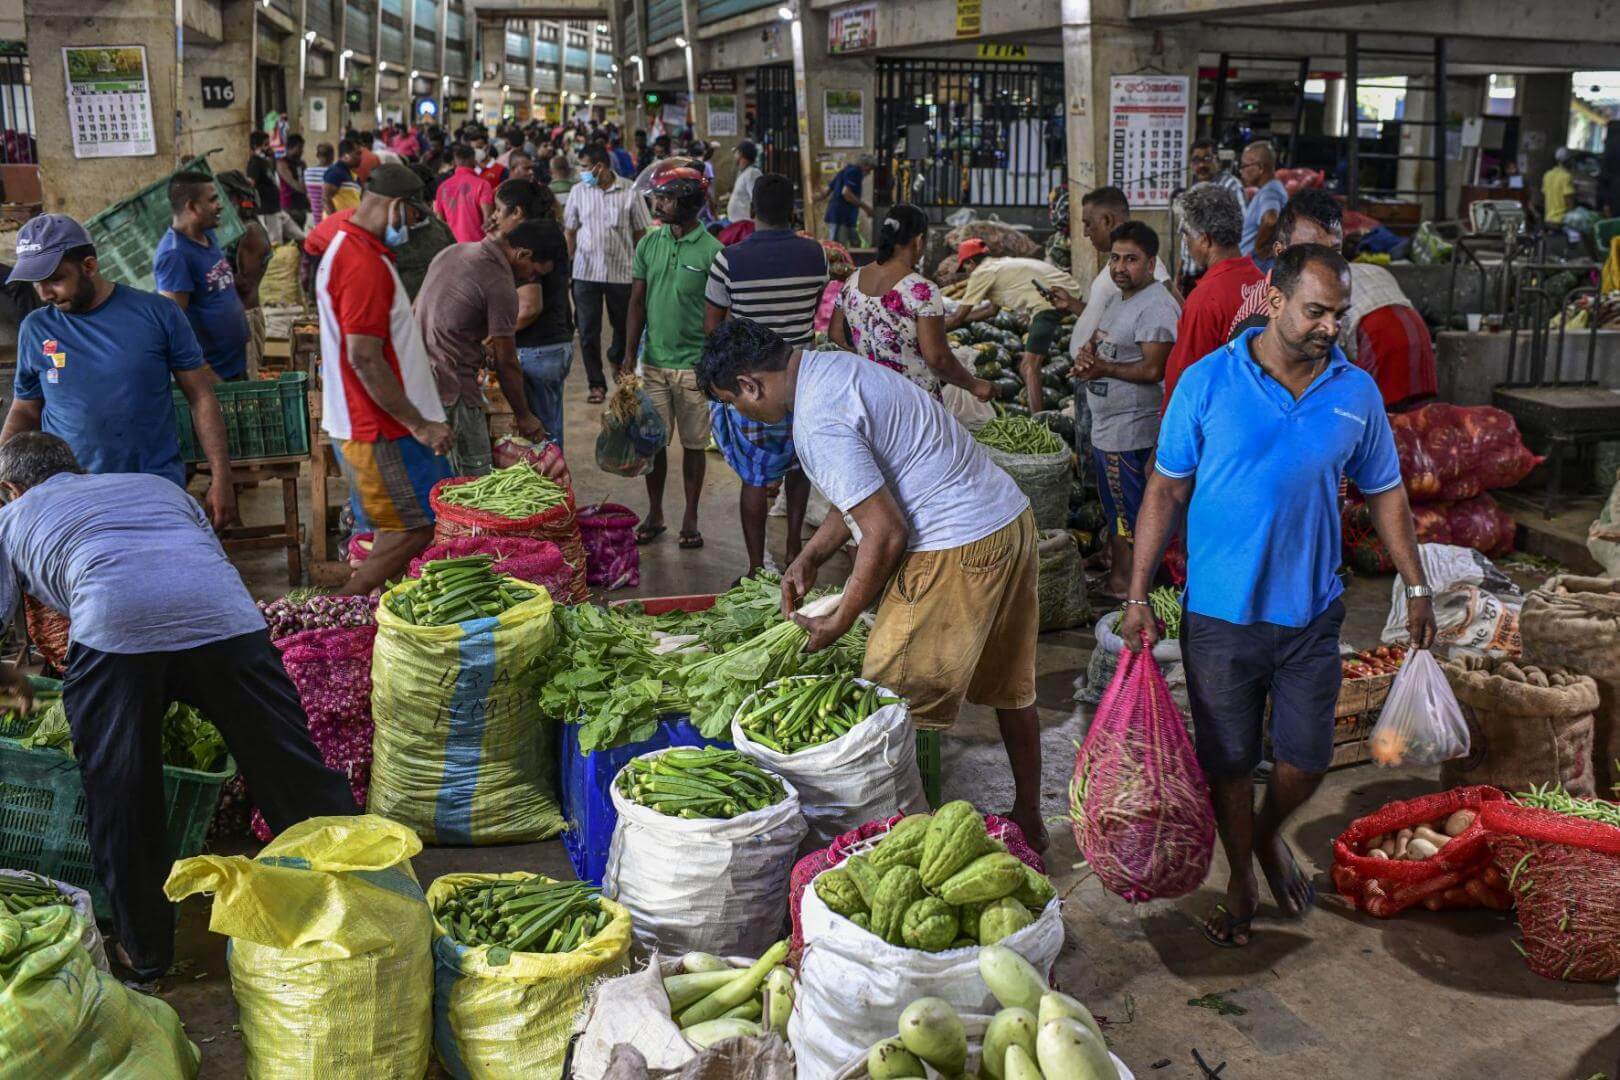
[191, 270]
[1267, 424]
[668, 280]
[94, 364]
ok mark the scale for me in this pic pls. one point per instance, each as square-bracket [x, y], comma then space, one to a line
[1503, 217]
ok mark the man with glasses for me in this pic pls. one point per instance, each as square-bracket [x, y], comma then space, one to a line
[1204, 167]
[1258, 169]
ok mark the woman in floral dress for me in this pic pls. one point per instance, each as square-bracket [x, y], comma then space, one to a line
[892, 315]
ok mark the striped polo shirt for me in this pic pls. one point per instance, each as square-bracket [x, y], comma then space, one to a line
[605, 223]
[774, 278]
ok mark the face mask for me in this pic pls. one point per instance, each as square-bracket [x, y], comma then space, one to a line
[589, 180]
[579, 148]
[395, 235]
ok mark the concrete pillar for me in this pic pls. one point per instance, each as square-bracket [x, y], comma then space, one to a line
[815, 72]
[1099, 42]
[590, 59]
[689, 16]
[233, 57]
[620, 77]
[1543, 102]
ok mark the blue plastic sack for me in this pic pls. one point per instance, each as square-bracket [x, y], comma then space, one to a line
[586, 780]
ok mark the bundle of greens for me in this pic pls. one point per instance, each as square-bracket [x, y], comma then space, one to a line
[189, 741]
[605, 675]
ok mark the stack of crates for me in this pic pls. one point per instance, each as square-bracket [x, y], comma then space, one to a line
[264, 418]
[127, 233]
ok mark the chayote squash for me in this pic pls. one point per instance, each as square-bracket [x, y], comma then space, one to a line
[989, 877]
[1002, 917]
[964, 943]
[929, 925]
[900, 888]
[865, 875]
[903, 845]
[967, 917]
[862, 919]
[955, 838]
[837, 890]
[1036, 890]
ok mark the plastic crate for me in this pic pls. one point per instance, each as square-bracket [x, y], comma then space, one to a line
[264, 418]
[928, 765]
[42, 822]
[127, 233]
[13, 727]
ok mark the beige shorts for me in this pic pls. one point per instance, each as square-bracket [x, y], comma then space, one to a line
[674, 393]
[961, 623]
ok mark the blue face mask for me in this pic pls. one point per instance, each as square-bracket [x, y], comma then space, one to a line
[395, 235]
[589, 179]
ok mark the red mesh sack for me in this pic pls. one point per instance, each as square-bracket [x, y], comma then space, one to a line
[1500, 458]
[1139, 803]
[1460, 876]
[1564, 873]
[1481, 524]
[558, 525]
[612, 559]
[1418, 471]
[511, 449]
[47, 630]
[537, 561]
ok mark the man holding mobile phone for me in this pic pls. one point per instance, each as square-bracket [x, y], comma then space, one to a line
[1023, 285]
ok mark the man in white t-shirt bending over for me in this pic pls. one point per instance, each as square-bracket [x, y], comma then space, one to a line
[947, 539]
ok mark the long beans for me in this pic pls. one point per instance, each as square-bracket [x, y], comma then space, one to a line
[1167, 609]
[1019, 435]
[524, 914]
[455, 590]
[798, 713]
[516, 491]
[1553, 797]
[691, 783]
[25, 893]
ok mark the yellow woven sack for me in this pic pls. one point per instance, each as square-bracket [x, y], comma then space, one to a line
[330, 953]
[497, 1021]
[279, 286]
[61, 1017]
[461, 752]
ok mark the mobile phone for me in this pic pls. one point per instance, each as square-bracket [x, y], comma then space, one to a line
[1041, 288]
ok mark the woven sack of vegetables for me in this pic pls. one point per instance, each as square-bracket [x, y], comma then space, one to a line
[1061, 585]
[1575, 621]
[1527, 727]
[1139, 803]
[612, 559]
[60, 1016]
[330, 955]
[524, 558]
[1456, 876]
[705, 884]
[47, 631]
[869, 771]
[499, 1012]
[1564, 874]
[460, 751]
[557, 524]
[1002, 240]
[1044, 479]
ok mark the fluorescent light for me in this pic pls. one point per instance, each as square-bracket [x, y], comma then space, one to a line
[785, 13]
[414, 73]
[477, 83]
[680, 42]
[309, 36]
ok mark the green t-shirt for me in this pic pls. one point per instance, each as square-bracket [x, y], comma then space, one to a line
[676, 272]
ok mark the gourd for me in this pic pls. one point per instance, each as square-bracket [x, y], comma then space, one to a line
[929, 924]
[900, 888]
[838, 891]
[1001, 919]
[930, 1028]
[1009, 1027]
[1054, 1005]
[890, 1060]
[955, 838]
[1066, 1048]
[864, 875]
[903, 845]
[1019, 1064]
[1012, 979]
[988, 877]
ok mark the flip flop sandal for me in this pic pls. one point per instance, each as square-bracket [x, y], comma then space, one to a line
[691, 541]
[1230, 925]
[648, 533]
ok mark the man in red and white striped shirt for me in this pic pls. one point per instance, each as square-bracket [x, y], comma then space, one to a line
[379, 401]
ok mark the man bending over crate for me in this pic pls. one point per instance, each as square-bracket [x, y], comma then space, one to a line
[159, 615]
[947, 541]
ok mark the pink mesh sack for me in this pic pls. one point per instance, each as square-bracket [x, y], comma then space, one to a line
[525, 558]
[1140, 807]
[612, 559]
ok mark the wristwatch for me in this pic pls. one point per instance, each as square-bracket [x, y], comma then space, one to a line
[1418, 592]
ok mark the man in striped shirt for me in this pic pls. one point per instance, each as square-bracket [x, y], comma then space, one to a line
[775, 278]
[603, 220]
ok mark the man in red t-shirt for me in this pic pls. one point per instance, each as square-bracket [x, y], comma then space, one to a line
[379, 402]
[1212, 223]
[465, 200]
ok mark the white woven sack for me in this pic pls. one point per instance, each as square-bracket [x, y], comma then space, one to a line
[705, 884]
[633, 1010]
[868, 772]
[853, 985]
[86, 908]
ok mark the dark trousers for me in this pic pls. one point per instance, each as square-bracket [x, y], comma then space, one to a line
[115, 705]
[589, 296]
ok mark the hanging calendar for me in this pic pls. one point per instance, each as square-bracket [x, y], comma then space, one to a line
[109, 101]
[1147, 147]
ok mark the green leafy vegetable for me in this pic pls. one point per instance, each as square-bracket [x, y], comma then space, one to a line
[189, 741]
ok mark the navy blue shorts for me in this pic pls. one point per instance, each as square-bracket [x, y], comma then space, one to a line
[1121, 482]
[1232, 669]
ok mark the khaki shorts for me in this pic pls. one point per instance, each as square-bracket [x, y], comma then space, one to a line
[674, 393]
[961, 623]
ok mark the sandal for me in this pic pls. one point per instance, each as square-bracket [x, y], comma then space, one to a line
[596, 396]
[1230, 925]
[646, 534]
[691, 541]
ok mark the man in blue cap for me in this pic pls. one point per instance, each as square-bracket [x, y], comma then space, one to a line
[94, 363]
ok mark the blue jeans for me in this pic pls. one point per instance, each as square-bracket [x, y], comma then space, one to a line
[544, 369]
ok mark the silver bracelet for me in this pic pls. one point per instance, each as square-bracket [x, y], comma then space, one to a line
[1138, 603]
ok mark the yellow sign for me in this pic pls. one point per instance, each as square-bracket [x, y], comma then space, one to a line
[969, 18]
[990, 50]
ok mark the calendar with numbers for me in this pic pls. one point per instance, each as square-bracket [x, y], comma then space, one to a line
[109, 101]
[1147, 149]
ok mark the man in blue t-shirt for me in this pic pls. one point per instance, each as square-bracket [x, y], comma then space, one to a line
[845, 205]
[94, 367]
[191, 270]
[1258, 168]
[1252, 447]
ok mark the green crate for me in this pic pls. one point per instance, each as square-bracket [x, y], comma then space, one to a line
[928, 765]
[264, 418]
[14, 728]
[42, 824]
[127, 233]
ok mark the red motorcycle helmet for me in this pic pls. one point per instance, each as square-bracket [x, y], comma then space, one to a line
[680, 178]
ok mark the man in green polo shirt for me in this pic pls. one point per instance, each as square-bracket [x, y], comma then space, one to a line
[669, 275]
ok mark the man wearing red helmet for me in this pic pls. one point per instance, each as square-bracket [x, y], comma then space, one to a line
[668, 279]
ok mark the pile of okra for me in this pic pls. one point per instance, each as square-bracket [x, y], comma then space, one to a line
[691, 783]
[455, 590]
[525, 914]
[797, 713]
[22, 893]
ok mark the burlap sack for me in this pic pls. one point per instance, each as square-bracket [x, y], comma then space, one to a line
[1575, 622]
[1522, 735]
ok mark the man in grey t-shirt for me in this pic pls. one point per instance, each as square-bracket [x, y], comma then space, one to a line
[1123, 366]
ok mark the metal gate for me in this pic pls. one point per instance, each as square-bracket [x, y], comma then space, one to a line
[776, 120]
[16, 107]
[969, 132]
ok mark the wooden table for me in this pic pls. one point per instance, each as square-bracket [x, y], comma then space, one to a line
[288, 533]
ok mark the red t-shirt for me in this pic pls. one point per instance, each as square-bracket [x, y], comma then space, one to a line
[1394, 346]
[318, 239]
[461, 201]
[1207, 316]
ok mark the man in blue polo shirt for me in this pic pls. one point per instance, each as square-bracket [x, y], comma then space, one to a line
[191, 270]
[1252, 448]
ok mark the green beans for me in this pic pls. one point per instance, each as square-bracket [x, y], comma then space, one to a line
[516, 491]
[524, 914]
[25, 893]
[1019, 435]
[455, 590]
[692, 783]
[1553, 797]
[1167, 609]
[798, 713]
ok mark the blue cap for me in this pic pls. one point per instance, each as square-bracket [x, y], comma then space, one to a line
[41, 243]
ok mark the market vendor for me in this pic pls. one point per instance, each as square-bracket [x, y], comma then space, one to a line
[1267, 424]
[1017, 283]
[947, 544]
[94, 366]
[159, 615]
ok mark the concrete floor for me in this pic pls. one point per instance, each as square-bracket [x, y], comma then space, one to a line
[1337, 995]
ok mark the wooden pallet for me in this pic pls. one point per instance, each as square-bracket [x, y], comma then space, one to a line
[1354, 717]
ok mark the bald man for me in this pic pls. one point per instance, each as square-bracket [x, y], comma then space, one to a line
[1258, 169]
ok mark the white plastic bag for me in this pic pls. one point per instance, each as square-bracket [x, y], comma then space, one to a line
[975, 1024]
[704, 884]
[81, 902]
[869, 772]
[1421, 724]
[853, 985]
